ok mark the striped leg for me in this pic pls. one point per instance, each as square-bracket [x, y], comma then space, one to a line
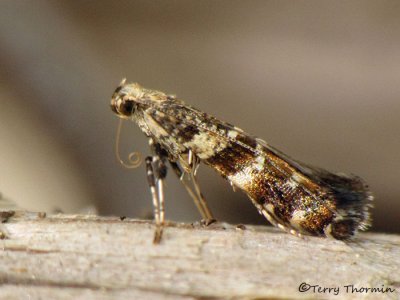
[156, 172]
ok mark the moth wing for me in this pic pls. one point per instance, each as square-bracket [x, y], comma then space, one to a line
[351, 193]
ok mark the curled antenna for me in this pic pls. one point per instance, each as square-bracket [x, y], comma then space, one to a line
[134, 158]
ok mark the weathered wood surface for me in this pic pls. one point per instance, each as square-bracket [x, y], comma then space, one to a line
[89, 257]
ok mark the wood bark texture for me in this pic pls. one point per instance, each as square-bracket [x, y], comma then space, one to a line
[91, 257]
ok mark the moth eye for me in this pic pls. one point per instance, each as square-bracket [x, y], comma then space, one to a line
[126, 107]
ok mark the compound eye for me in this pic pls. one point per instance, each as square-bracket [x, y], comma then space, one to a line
[126, 107]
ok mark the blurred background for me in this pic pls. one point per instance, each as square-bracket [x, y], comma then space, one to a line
[318, 80]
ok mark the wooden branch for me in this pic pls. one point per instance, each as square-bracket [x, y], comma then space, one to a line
[91, 257]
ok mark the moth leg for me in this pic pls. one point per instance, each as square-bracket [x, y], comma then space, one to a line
[199, 201]
[194, 163]
[262, 209]
[156, 184]
[181, 175]
[160, 172]
[202, 201]
[275, 222]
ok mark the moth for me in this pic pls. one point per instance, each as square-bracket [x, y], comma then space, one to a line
[293, 196]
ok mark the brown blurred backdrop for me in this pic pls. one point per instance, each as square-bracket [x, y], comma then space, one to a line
[319, 80]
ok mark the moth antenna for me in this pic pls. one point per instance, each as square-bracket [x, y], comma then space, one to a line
[122, 82]
[134, 158]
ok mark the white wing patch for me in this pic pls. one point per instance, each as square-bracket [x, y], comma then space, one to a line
[205, 145]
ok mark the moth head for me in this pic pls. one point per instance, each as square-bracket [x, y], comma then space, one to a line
[123, 101]
[128, 98]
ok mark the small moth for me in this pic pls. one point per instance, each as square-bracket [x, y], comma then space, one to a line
[293, 196]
